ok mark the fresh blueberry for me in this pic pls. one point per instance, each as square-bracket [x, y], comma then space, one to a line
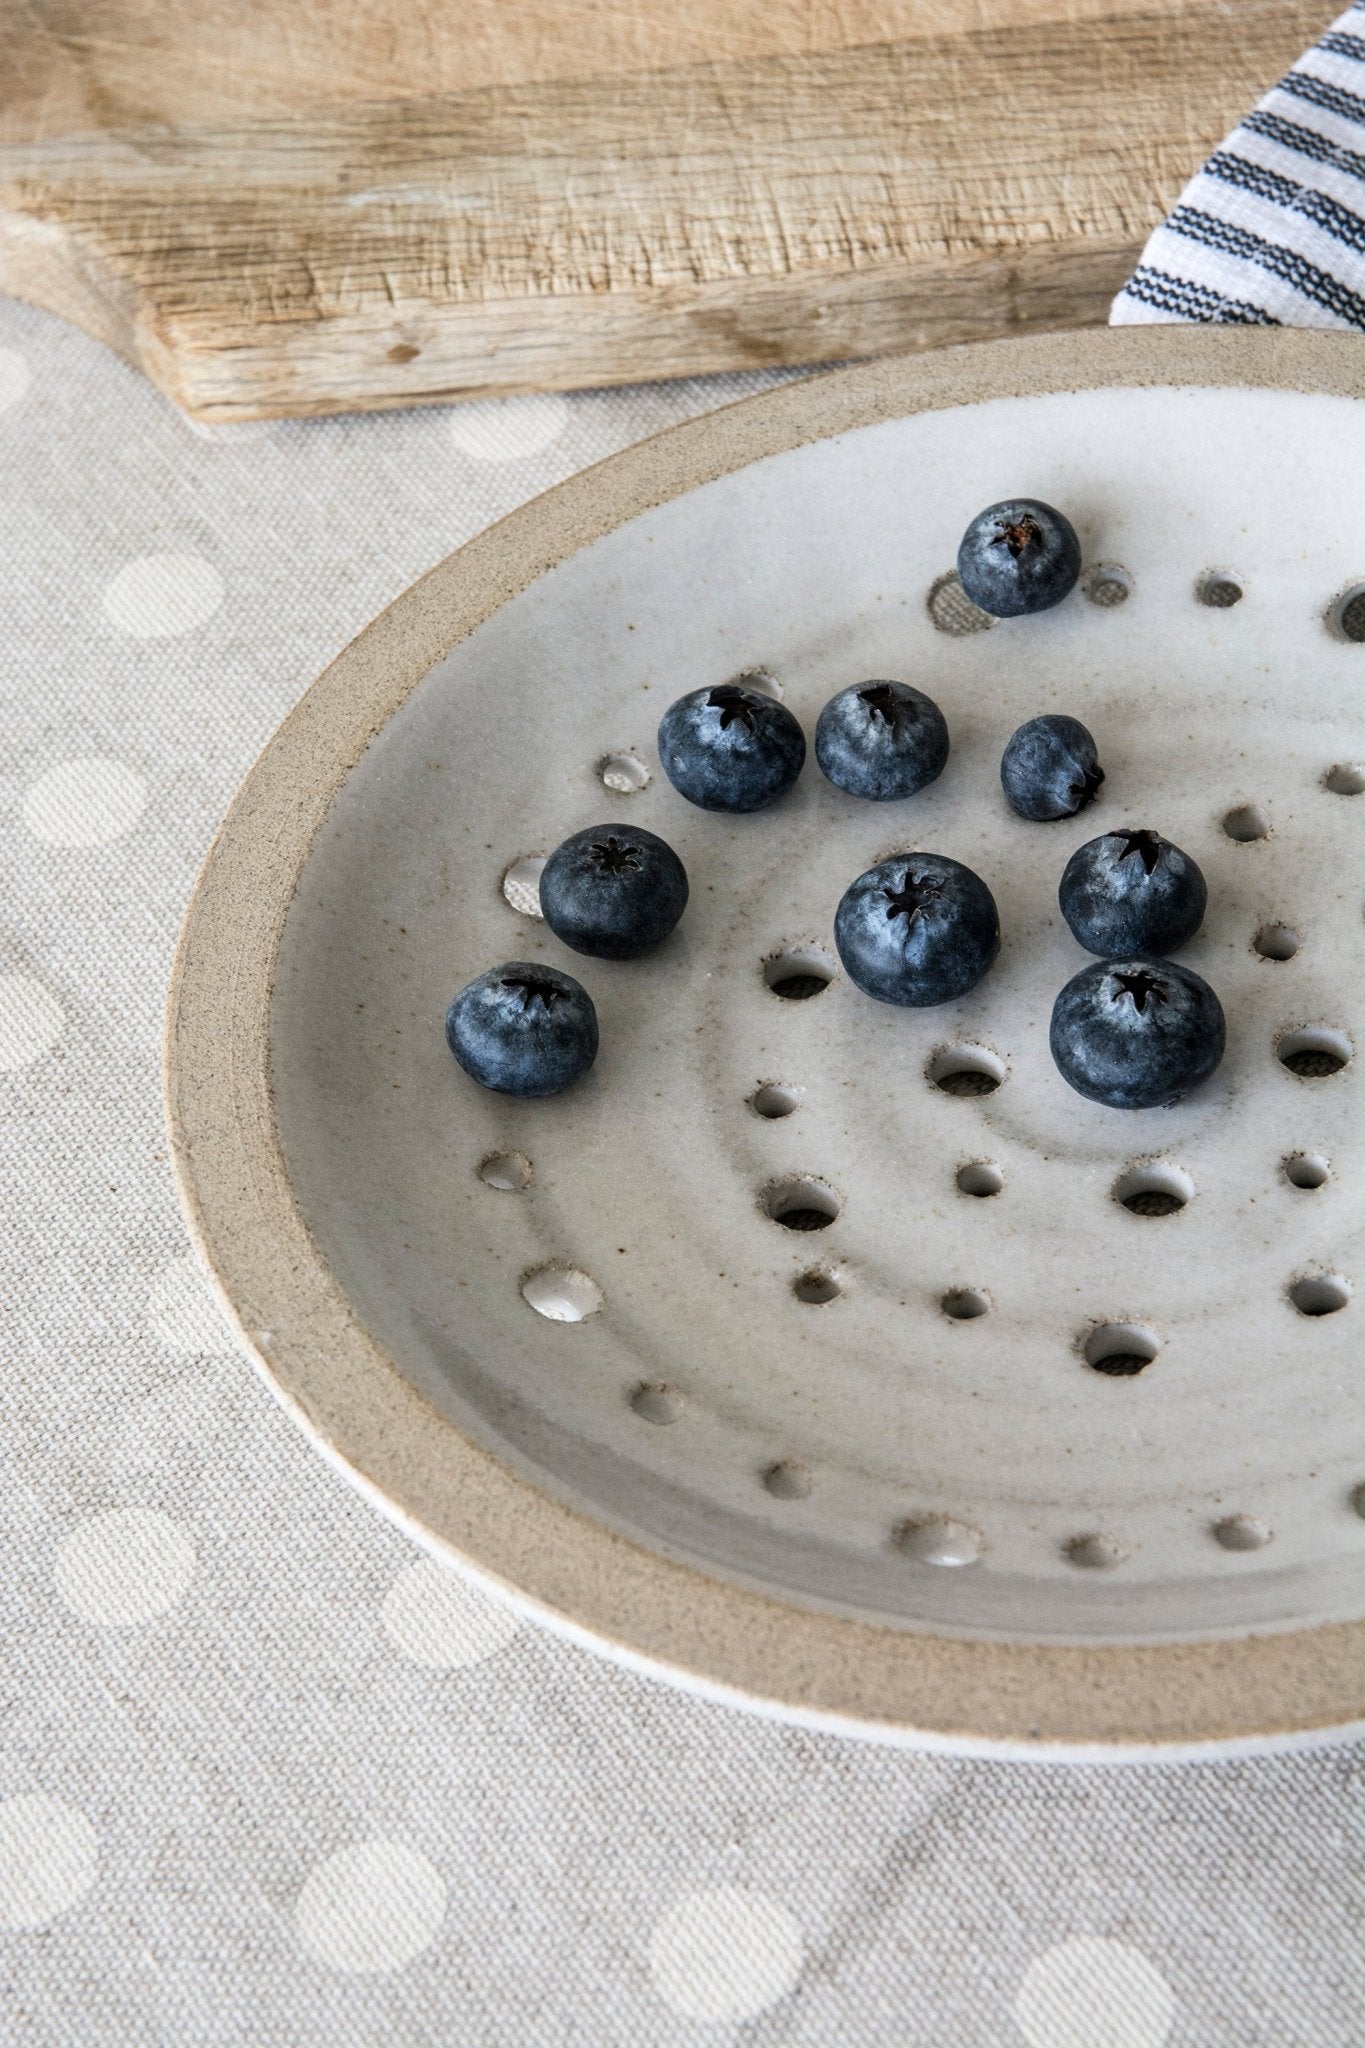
[614, 891]
[1050, 769]
[917, 929]
[524, 1029]
[1132, 892]
[881, 740]
[730, 749]
[1018, 556]
[1136, 1033]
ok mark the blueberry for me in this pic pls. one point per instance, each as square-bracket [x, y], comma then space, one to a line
[730, 749]
[881, 740]
[917, 929]
[613, 891]
[524, 1029]
[1136, 1033]
[1050, 769]
[1018, 556]
[1132, 892]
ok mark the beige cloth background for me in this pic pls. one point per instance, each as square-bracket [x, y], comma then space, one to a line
[266, 1776]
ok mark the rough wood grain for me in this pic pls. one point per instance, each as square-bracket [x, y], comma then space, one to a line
[528, 231]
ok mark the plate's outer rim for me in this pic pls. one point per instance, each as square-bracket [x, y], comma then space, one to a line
[350, 1397]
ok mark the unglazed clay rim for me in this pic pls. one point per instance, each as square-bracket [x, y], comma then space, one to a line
[447, 1490]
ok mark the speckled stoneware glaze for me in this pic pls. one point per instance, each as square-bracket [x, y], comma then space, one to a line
[1045, 1432]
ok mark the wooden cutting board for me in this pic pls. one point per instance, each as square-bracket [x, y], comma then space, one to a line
[303, 206]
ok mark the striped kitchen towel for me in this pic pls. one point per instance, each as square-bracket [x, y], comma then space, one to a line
[1271, 232]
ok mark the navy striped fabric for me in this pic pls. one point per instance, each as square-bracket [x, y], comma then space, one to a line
[1271, 232]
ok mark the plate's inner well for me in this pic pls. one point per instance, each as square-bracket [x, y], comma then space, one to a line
[858, 1304]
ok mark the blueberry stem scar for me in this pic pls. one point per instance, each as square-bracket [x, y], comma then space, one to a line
[1144, 843]
[913, 894]
[533, 990]
[734, 707]
[1139, 986]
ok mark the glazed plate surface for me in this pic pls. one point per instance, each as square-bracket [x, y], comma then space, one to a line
[1046, 1427]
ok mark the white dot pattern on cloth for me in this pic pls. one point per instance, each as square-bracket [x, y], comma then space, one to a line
[725, 1954]
[49, 1853]
[434, 1618]
[31, 1021]
[371, 1907]
[1094, 1992]
[183, 1309]
[87, 801]
[159, 597]
[14, 377]
[124, 1566]
[509, 429]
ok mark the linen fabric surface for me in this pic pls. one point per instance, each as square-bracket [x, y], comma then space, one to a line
[269, 1777]
[1271, 232]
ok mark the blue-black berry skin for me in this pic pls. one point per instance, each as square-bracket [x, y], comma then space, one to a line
[1050, 768]
[1131, 891]
[917, 929]
[1137, 1033]
[1018, 556]
[613, 891]
[730, 749]
[881, 740]
[523, 1029]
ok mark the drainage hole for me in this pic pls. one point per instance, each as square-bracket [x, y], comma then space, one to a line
[952, 611]
[508, 1170]
[624, 773]
[562, 1294]
[788, 1480]
[774, 1099]
[1153, 1190]
[653, 1401]
[1247, 822]
[1307, 1170]
[1219, 590]
[1314, 1052]
[980, 1177]
[799, 973]
[1242, 1532]
[521, 884]
[1108, 584]
[966, 1070]
[1345, 779]
[1094, 1553]
[1320, 1294]
[964, 1304]
[1346, 614]
[1277, 942]
[802, 1203]
[1120, 1349]
[817, 1285]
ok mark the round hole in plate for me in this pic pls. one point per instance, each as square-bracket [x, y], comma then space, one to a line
[964, 1304]
[775, 1099]
[1307, 1170]
[510, 1171]
[1120, 1349]
[1219, 589]
[1346, 778]
[800, 1202]
[1313, 1052]
[788, 1479]
[521, 884]
[1358, 1500]
[1247, 822]
[1319, 1294]
[980, 1177]
[1094, 1553]
[653, 1401]
[1242, 1532]
[952, 611]
[1108, 584]
[562, 1294]
[1153, 1188]
[1346, 614]
[624, 773]
[966, 1070]
[798, 973]
[938, 1539]
[817, 1285]
[1277, 942]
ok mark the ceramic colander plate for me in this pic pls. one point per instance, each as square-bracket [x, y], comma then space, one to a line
[1044, 1426]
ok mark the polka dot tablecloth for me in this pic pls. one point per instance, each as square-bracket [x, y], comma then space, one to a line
[270, 1777]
